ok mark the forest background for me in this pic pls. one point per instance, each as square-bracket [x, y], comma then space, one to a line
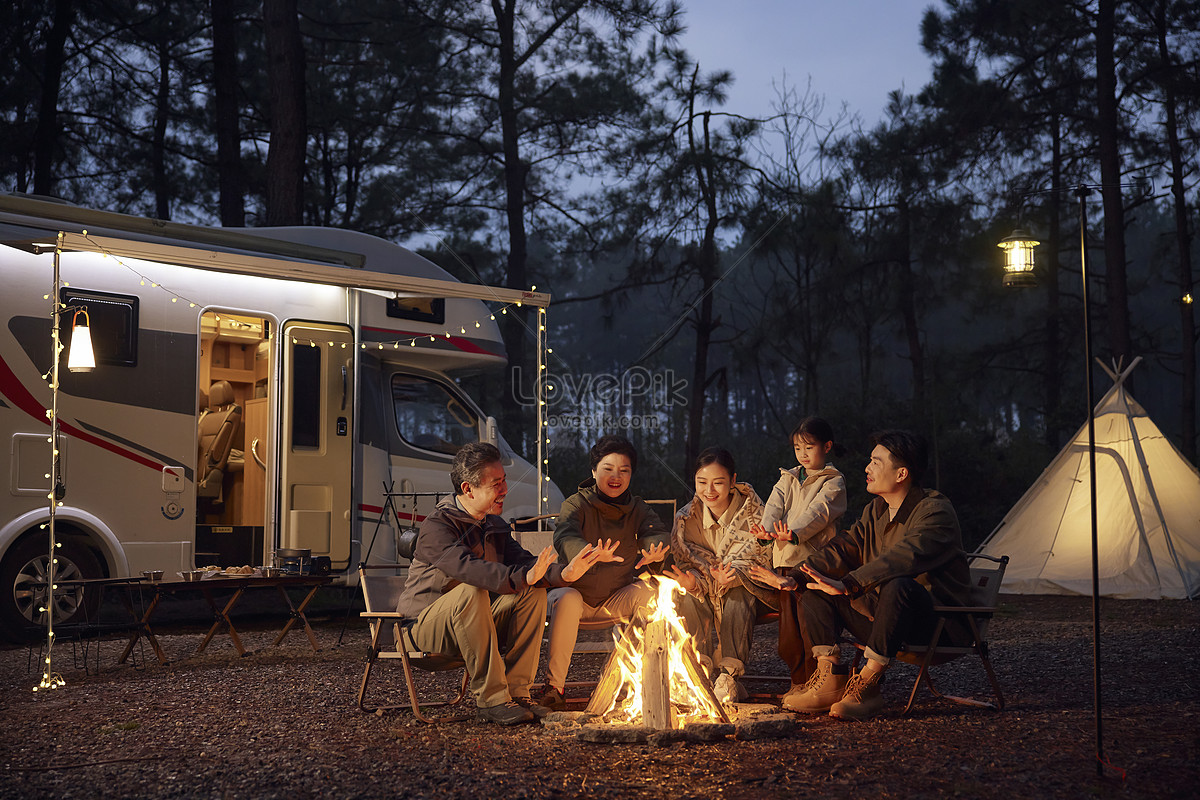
[715, 277]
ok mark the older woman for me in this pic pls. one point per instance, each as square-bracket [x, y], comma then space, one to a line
[603, 513]
[714, 548]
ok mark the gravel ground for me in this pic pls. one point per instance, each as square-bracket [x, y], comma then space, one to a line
[282, 722]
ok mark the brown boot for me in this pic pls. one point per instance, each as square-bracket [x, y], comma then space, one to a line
[824, 688]
[862, 699]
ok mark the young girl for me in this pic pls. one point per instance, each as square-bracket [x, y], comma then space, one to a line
[800, 517]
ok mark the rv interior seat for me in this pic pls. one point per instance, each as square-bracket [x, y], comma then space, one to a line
[218, 428]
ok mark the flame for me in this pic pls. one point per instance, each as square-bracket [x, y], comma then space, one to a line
[691, 701]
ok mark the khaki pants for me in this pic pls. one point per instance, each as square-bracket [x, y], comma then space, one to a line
[567, 610]
[468, 621]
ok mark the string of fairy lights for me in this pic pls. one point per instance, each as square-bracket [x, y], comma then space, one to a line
[53, 680]
[50, 678]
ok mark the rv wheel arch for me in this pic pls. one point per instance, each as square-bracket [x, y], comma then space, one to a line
[25, 566]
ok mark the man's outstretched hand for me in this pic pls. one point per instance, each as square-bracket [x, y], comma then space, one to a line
[545, 558]
[823, 583]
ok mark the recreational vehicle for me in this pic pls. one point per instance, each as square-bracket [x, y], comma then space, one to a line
[253, 390]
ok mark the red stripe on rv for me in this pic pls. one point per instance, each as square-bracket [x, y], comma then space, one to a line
[466, 345]
[379, 510]
[15, 391]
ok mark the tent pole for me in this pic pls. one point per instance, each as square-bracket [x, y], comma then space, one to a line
[1082, 192]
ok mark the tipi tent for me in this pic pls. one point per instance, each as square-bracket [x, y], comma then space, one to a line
[1148, 514]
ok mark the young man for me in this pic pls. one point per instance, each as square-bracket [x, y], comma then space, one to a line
[473, 590]
[880, 580]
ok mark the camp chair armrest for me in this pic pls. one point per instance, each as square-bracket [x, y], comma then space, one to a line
[382, 614]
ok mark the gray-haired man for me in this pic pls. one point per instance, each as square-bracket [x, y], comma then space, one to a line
[473, 590]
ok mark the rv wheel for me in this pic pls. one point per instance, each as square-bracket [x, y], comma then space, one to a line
[23, 589]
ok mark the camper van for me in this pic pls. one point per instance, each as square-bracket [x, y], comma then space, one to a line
[253, 390]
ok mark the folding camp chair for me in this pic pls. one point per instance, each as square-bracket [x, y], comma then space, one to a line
[380, 594]
[985, 591]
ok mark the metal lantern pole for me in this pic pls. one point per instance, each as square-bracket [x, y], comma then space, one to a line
[1082, 192]
[543, 455]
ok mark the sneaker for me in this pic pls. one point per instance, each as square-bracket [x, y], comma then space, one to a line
[728, 690]
[537, 709]
[553, 699]
[510, 713]
[862, 700]
[824, 688]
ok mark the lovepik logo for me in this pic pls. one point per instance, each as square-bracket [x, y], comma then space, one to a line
[635, 386]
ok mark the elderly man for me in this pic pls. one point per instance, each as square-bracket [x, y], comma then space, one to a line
[880, 580]
[473, 590]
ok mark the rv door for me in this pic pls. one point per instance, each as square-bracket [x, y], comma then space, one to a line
[317, 439]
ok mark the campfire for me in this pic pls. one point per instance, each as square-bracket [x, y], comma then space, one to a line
[653, 677]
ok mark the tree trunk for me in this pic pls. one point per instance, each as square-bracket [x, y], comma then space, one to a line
[231, 187]
[515, 175]
[708, 272]
[1110, 177]
[285, 73]
[1187, 321]
[908, 309]
[1052, 374]
[45, 139]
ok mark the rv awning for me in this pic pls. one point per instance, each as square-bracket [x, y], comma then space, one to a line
[297, 270]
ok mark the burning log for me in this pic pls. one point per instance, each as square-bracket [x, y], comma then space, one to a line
[657, 712]
[654, 677]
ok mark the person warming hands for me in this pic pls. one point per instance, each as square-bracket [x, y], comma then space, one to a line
[800, 516]
[604, 510]
[715, 551]
[471, 586]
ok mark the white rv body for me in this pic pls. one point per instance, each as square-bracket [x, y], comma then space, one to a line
[339, 396]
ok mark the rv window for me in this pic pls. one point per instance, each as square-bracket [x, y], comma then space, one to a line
[418, 309]
[306, 397]
[113, 322]
[428, 416]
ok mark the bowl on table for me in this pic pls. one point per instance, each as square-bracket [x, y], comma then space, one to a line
[152, 574]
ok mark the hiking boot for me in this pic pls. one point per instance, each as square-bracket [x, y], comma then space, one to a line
[510, 713]
[862, 699]
[825, 687]
[553, 699]
[537, 709]
[728, 690]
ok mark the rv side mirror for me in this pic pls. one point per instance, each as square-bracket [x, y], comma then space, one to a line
[491, 433]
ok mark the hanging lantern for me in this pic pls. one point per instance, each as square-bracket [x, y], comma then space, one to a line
[1018, 258]
[81, 357]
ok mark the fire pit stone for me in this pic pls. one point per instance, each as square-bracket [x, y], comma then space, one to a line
[615, 733]
[708, 731]
[768, 726]
[566, 720]
[745, 711]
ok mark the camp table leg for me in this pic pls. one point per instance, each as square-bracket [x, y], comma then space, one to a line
[223, 618]
[143, 629]
[298, 613]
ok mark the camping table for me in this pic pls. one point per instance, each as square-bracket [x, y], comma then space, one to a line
[239, 585]
[87, 626]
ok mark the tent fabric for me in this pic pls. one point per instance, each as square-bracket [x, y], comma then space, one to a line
[1147, 511]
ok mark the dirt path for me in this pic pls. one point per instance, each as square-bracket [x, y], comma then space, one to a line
[282, 723]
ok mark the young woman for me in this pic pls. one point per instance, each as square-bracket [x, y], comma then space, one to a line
[714, 548]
